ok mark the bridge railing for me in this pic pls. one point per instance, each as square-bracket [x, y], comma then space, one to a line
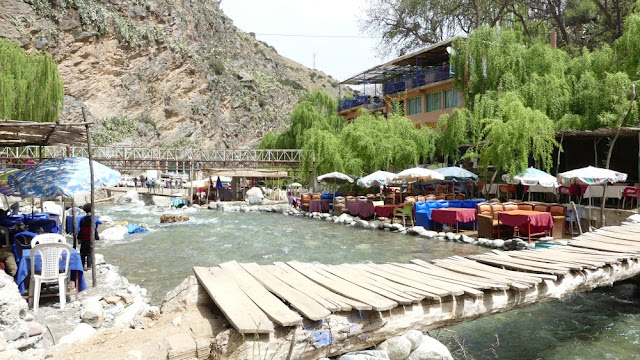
[137, 156]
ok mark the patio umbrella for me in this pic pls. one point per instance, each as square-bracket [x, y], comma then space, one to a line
[591, 176]
[417, 174]
[532, 176]
[295, 184]
[379, 178]
[456, 173]
[335, 178]
[61, 177]
[5, 189]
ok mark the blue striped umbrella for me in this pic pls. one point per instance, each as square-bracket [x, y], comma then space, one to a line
[61, 177]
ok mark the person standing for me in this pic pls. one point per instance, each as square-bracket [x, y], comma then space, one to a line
[84, 237]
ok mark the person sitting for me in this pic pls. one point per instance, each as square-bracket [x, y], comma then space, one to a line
[84, 237]
[8, 261]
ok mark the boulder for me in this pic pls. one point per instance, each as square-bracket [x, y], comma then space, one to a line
[430, 349]
[397, 348]
[172, 218]
[450, 236]
[128, 315]
[429, 234]
[92, 312]
[130, 196]
[254, 196]
[35, 328]
[13, 309]
[361, 224]
[415, 337]
[114, 233]
[498, 243]
[81, 332]
[365, 355]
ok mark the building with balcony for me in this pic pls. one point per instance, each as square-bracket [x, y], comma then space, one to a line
[420, 83]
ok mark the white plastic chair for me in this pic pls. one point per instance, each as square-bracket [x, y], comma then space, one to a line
[47, 239]
[572, 219]
[50, 254]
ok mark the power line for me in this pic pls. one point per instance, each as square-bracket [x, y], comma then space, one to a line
[324, 36]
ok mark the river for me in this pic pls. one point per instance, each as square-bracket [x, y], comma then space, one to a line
[597, 325]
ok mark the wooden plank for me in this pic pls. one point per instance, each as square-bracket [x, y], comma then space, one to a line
[242, 313]
[469, 288]
[618, 234]
[491, 271]
[504, 283]
[377, 302]
[589, 244]
[399, 279]
[275, 309]
[566, 258]
[394, 285]
[548, 259]
[298, 300]
[355, 278]
[601, 253]
[543, 265]
[609, 239]
[340, 300]
[305, 286]
[474, 278]
[500, 261]
[428, 278]
[424, 278]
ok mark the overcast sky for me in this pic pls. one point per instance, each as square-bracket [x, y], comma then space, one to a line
[339, 57]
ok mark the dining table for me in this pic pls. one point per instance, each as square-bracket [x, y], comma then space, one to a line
[386, 211]
[318, 205]
[76, 270]
[363, 209]
[451, 216]
[536, 222]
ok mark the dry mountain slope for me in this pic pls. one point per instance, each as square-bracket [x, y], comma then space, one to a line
[174, 73]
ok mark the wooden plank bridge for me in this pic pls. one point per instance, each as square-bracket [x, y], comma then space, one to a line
[166, 159]
[339, 308]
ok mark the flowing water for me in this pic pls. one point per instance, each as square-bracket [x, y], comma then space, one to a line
[586, 326]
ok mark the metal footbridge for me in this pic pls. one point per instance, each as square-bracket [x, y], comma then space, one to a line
[166, 159]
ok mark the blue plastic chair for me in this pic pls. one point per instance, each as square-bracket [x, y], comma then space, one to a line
[455, 203]
[468, 204]
[442, 203]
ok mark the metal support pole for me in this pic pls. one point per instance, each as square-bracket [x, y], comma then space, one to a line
[93, 200]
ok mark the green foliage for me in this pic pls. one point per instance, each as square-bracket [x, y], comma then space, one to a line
[114, 130]
[30, 85]
[291, 83]
[180, 143]
[518, 90]
[368, 144]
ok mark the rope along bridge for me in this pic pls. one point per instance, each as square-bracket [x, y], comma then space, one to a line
[166, 159]
[340, 308]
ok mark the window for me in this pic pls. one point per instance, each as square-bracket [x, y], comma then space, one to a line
[452, 98]
[434, 101]
[415, 105]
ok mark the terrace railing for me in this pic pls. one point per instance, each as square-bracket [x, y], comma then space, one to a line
[161, 158]
[369, 102]
[418, 79]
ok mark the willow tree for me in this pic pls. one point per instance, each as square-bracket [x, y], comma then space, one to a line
[30, 86]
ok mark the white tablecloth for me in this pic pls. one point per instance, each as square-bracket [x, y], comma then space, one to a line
[595, 191]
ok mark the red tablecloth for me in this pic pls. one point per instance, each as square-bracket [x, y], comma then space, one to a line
[525, 217]
[386, 210]
[363, 209]
[450, 216]
[319, 206]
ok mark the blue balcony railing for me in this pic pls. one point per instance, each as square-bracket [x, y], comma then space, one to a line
[418, 79]
[369, 102]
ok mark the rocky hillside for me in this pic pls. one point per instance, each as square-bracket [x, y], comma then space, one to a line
[162, 72]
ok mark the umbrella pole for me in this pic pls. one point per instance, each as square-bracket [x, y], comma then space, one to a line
[93, 198]
[73, 226]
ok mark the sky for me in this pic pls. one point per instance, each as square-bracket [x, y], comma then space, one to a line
[340, 57]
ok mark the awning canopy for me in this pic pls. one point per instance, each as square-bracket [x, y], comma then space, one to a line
[271, 174]
[23, 133]
[432, 55]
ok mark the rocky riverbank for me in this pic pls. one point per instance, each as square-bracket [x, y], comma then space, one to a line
[348, 220]
[25, 334]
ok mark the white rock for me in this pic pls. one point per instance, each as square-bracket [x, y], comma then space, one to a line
[429, 234]
[81, 332]
[129, 314]
[92, 312]
[397, 348]
[635, 218]
[415, 337]
[254, 196]
[430, 349]
[361, 224]
[177, 321]
[450, 236]
[100, 259]
[365, 355]
[498, 243]
[114, 233]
